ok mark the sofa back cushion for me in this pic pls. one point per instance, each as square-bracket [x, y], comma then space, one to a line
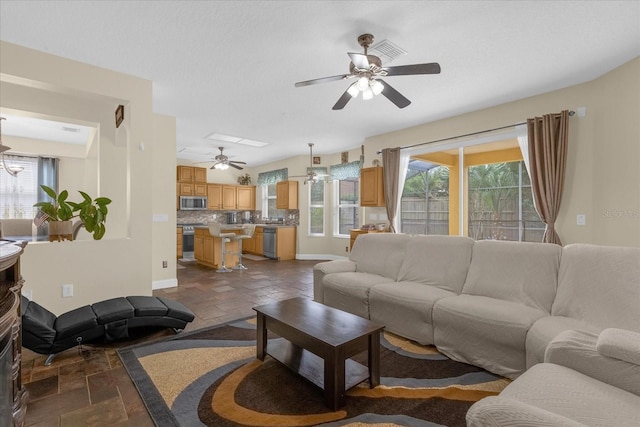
[440, 261]
[600, 285]
[380, 253]
[521, 272]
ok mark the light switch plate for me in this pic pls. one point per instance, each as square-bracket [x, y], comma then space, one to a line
[67, 291]
[581, 219]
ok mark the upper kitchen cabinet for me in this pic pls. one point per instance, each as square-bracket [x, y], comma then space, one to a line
[246, 197]
[229, 197]
[371, 187]
[214, 196]
[200, 175]
[287, 195]
[192, 174]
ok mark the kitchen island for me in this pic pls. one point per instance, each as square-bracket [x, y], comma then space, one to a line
[208, 249]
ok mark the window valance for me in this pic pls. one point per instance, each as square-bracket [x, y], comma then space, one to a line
[320, 170]
[345, 170]
[273, 177]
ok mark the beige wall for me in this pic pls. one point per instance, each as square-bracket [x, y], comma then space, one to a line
[125, 261]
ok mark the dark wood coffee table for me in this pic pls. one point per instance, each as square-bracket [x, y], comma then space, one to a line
[318, 343]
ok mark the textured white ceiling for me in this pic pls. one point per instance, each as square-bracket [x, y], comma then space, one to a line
[230, 66]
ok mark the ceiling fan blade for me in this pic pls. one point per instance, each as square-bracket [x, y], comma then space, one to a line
[359, 60]
[323, 80]
[235, 166]
[406, 70]
[393, 95]
[342, 101]
[237, 162]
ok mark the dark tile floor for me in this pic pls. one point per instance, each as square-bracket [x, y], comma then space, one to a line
[90, 387]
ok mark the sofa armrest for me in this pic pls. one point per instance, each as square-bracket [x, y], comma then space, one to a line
[620, 344]
[497, 411]
[578, 350]
[323, 268]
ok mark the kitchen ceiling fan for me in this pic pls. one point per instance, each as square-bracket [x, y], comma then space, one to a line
[222, 162]
[368, 70]
[311, 176]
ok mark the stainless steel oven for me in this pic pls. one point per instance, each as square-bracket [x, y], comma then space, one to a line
[188, 235]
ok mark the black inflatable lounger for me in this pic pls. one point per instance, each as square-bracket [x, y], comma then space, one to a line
[109, 320]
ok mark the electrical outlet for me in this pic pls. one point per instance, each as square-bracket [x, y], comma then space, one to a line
[67, 291]
[581, 219]
[164, 264]
[346, 248]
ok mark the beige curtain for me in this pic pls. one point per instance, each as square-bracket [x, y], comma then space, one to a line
[390, 176]
[548, 141]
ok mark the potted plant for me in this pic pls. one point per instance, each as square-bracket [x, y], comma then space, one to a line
[59, 212]
[244, 179]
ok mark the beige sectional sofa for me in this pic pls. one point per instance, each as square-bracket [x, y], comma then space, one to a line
[493, 304]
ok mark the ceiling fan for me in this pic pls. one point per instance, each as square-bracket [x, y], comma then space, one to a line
[369, 70]
[311, 176]
[222, 162]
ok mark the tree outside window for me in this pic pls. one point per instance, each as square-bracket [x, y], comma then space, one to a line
[425, 202]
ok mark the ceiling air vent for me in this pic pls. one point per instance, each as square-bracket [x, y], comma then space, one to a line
[386, 50]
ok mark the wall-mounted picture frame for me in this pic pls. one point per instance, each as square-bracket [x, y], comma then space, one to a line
[345, 157]
[316, 160]
[119, 115]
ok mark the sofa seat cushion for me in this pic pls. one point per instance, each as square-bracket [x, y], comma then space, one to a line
[576, 396]
[545, 329]
[440, 261]
[484, 331]
[177, 310]
[350, 291]
[405, 308]
[112, 310]
[75, 322]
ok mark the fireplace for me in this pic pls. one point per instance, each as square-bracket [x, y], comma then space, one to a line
[13, 395]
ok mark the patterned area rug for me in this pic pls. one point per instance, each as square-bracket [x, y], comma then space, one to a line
[211, 377]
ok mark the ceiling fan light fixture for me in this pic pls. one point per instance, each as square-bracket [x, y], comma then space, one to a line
[367, 94]
[221, 166]
[362, 83]
[376, 86]
[353, 90]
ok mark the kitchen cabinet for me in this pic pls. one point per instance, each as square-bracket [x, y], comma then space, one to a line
[229, 197]
[191, 174]
[186, 189]
[179, 242]
[214, 196]
[286, 243]
[208, 249]
[371, 187]
[200, 175]
[258, 237]
[287, 195]
[245, 197]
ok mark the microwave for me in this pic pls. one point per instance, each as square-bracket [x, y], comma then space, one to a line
[193, 203]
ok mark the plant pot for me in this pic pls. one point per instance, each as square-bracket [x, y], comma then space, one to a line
[60, 230]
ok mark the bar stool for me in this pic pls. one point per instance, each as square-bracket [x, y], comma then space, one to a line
[216, 231]
[247, 233]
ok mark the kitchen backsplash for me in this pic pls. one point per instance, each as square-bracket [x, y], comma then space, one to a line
[291, 217]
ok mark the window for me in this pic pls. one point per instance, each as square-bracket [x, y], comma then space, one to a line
[500, 203]
[425, 200]
[19, 194]
[269, 201]
[471, 188]
[347, 195]
[316, 208]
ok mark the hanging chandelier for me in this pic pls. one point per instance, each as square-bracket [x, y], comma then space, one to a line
[12, 170]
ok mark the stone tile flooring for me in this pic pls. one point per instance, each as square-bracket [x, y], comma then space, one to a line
[90, 387]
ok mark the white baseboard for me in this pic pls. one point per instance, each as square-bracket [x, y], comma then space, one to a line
[163, 284]
[319, 257]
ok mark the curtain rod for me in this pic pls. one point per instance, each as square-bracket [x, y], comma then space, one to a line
[571, 113]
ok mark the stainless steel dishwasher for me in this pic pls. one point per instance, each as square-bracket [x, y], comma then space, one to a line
[269, 242]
